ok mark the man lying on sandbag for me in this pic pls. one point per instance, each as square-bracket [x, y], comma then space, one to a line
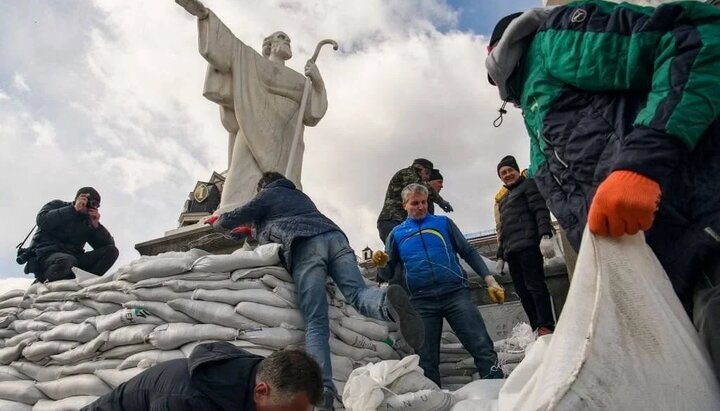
[313, 249]
[427, 247]
[220, 376]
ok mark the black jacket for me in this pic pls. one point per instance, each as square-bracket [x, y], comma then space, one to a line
[216, 377]
[62, 229]
[281, 214]
[524, 218]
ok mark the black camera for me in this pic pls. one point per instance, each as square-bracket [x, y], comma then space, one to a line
[24, 255]
[93, 203]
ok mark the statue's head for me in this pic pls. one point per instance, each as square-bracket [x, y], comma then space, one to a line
[278, 45]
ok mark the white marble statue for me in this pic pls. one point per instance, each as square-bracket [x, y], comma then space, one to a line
[259, 102]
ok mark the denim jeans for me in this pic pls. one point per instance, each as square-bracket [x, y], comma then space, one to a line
[314, 259]
[464, 318]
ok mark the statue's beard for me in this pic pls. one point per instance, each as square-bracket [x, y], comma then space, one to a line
[281, 50]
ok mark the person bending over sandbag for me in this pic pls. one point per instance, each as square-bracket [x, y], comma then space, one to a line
[313, 249]
[427, 246]
[220, 376]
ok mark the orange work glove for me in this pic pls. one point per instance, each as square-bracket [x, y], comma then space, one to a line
[624, 204]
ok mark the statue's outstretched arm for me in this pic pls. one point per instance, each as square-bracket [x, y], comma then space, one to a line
[194, 7]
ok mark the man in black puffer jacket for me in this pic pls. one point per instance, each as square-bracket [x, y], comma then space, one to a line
[524, 238]
[313, 249]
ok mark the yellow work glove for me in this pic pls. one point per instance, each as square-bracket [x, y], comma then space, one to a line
[495, 291]
[380, 258]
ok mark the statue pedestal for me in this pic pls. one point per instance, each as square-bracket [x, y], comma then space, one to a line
[187, 237]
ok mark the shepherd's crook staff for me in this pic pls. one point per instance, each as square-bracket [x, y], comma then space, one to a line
[303, 103]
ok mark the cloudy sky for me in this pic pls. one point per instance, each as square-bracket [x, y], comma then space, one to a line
[108, 93]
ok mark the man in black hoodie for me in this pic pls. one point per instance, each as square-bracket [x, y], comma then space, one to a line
[221, 377]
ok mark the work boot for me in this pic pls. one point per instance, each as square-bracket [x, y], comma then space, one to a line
[402, 312]
[328, 402]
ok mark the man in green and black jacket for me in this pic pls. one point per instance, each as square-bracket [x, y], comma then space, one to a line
[621, 103]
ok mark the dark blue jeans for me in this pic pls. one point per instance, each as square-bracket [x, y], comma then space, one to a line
[464, 318]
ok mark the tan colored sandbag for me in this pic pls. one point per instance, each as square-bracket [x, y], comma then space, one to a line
[82, 332]
[43, 349]
[128, 316]
[63, 317]
[81, 352]
[22, 326]
[258, 272]
[73, 385]
[160, 294]
[233, 297]
[161, 310]
[127, 335]
[124, 351]
[20, 391]
[214, 313]
[114, 378]
[271, 316]
[369, 329]
[66, 404]
[8, 373]
[274, 337]
[174, 335]
[147, 359]
[188, 285]
[38, 372]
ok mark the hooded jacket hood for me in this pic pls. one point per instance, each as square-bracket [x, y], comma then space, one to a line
[507, 53]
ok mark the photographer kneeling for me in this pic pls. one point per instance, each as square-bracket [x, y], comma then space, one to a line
[62, 230]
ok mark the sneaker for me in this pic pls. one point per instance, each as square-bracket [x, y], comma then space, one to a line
[402, 312]
[328, 402]
[544, 331]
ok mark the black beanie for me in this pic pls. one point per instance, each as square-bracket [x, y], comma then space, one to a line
[423, 162]
[497, 33]
[508, 161]
[94, 195]
[435, 175]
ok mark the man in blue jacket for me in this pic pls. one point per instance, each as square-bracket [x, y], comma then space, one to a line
[313, 249]
[427, 247]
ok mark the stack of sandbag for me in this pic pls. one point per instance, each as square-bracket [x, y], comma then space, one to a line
[63, 344]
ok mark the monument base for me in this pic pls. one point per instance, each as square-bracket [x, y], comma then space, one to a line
[193, 236]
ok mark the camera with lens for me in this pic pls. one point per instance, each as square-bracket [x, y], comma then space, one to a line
[24, 255]
[92, 203]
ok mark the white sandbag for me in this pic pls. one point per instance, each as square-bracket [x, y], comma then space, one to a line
[115, 297]
[188, 348]
[233, 297]
[214, 313]
[73, 385]
[263, 352]
[186, 285]
[341, 367]
[113, 378]
[369, 329]
[101, 308]
[350, 337]
[272, 282]
[82, 332]
[288, 295]
[508, 368]
[6, 405]
[7, 333]
[162, 267]
[66, 404]
[29, 314]
[92, 290]
[475, 405]
[53, 296]
[82, 276]
[162, 282]
[384, 351]
[49, 306]
[623, 342]
[22, 326]
[11, 302]
[38, 372]
[128, 335]
[128, 316]
[274, 337]
[124, 351]
[413, 381]
[42, 349]
[81, 352]
[172, 336]
[272, 316]
[62, 317]
[160, 294]
[261, 256]
[480, 390]
[7, 319]
[71, 306]
[338, 347]
[425, 400]
[20, 391]
[161, 310]
[11, 294]
[10, 354]
[8, 373]
[63, 285]
[88, 367]
[259, 272]
[27, 337]
[147, 359]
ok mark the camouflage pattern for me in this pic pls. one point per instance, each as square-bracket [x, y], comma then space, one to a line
[393, 208]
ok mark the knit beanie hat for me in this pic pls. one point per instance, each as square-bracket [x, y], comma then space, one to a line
[423, 162]
[435, 175]
[508, 161]
[94, 195]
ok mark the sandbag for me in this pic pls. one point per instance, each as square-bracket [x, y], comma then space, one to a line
[162, 311]
[81, 352]
[480, 390]
[42, 349]
[263, 352]
[413, 381]
[6, 405]
[124, 351]
[101, 308]
[63, 285]
[272, 282]
[272, 316]
[623, 342]
[73, 385]
[38, 372]
[384, 351]
[27, 337]
[11, 294]
[88, 367]
[425, 400]
[113, 378]
[174, 335]
[162, 282]
[29, 314]
[264, 255]
[11, 302]
[214, 313]
[10, 354]
[128, 316]
[341, 367]
[287, 294]
[128, 335]
[259, 272]
[369, 329]
[160, 294]
[161, 266]
[147, 359]
[338, 347]
[233, 297]
[20, 391]
[115, 297]
[66, 404]
[53, 296]
[8, 373]
[7, 333]
[70, 306]
[22, 326]
[351, 337]
[7, 319]
[82, 332]
[62, 317]
[275, 337]
[186, 285]
[92, 290]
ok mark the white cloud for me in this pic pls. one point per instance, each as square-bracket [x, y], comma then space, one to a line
[3, 95]
[20, 83]
[122, 106]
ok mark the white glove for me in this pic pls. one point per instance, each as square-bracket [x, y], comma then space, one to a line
[547, 247]
[500, 266]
